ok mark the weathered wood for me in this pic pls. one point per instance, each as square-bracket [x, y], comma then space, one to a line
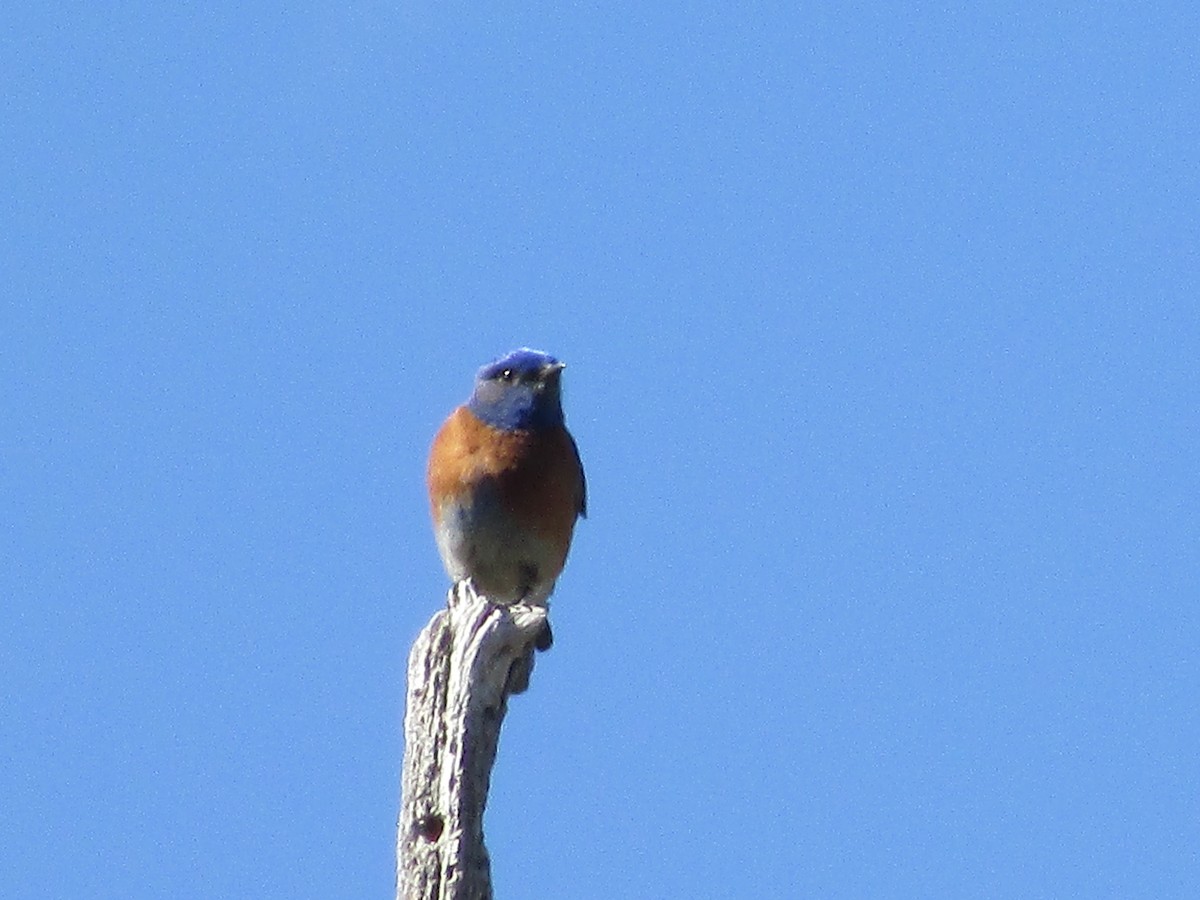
[462, 668]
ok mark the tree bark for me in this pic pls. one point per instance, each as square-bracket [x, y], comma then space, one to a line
[461, 670]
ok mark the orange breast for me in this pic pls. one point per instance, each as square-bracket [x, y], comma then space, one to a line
[504, 504]
[537, 473]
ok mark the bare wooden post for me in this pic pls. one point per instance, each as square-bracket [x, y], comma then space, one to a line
[462, 668]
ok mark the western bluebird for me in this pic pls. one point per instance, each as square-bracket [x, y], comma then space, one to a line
[506, 484]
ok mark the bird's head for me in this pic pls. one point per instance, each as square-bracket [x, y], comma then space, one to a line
[519, 390]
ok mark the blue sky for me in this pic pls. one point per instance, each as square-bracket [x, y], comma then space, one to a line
[882, 328]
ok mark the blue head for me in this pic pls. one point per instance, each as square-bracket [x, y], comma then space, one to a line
[518, 391]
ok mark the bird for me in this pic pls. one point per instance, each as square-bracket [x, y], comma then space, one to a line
[506, 483]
